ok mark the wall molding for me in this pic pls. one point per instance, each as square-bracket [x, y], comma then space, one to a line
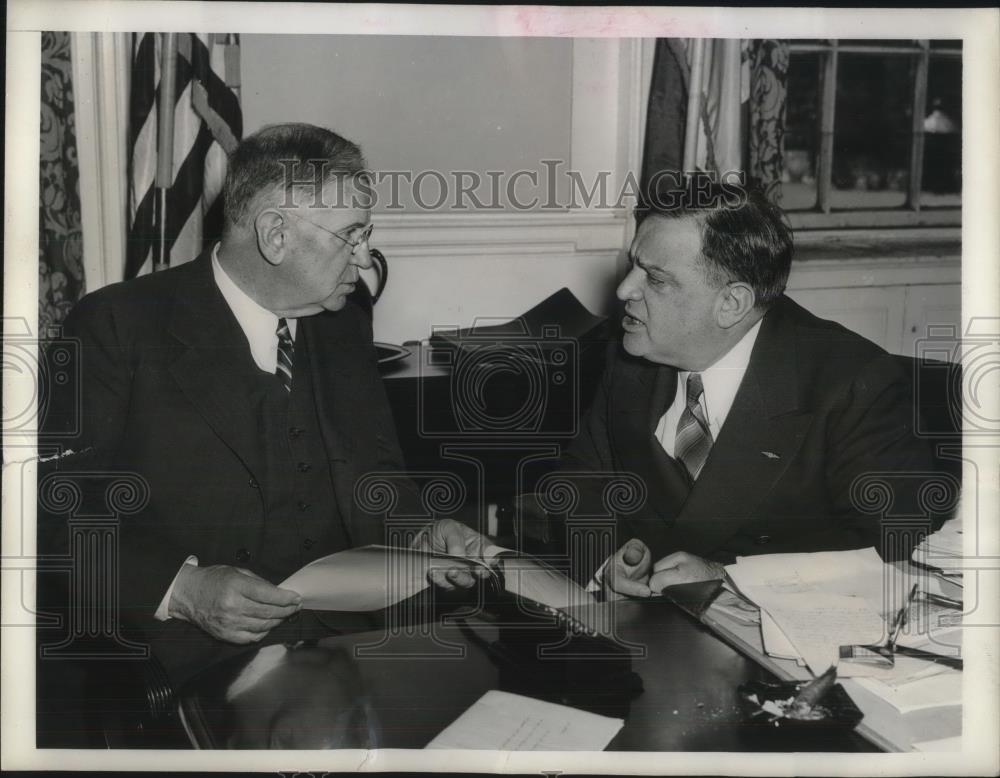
[874, 272]
[410, 236]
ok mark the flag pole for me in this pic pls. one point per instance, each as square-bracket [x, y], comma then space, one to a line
[165, 146]
[693, 117]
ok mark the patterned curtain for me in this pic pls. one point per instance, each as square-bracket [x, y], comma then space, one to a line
[60, 238]
[742, 125]
[768, 90]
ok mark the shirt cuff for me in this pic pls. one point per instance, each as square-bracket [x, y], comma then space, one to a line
[163, 612]
[597, 580]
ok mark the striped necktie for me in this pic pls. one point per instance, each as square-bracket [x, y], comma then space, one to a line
[694, 440]
[286, 348]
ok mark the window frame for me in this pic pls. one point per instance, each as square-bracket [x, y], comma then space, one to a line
[910, 214]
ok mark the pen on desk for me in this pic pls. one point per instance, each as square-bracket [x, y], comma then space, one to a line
[901, 618]
[945, 602]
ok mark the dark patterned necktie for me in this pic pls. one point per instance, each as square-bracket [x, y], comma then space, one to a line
[694, 440]
[286, 348]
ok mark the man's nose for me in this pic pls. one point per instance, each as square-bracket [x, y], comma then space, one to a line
[628, 289]
[362, 256]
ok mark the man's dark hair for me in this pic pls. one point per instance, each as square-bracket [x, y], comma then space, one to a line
[271, 159]
[744, 236]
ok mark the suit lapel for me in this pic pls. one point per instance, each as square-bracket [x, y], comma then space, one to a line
[335, 358]
[762, 434]
[642, 395]
[215, 369]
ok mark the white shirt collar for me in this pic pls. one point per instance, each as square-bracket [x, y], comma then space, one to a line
[722, 380]
[258, 324]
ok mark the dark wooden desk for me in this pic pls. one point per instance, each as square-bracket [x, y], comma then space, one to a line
[332, 694]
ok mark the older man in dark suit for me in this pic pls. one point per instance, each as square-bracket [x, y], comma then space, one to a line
[747, 418]
[243, 387]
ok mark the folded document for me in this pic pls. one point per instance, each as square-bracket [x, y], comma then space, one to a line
[374, 577]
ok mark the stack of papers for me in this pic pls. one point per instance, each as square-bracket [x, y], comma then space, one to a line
[811, 604]
[943, 548]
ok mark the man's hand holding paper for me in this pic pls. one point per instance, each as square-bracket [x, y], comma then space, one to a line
[453, 538]
[445, 553]
[230, 603]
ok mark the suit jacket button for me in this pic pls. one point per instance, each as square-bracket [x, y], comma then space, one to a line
[763, 540]
[307, 543]
[294, 432]
[304, 467]
[253, 483]
[242, 555]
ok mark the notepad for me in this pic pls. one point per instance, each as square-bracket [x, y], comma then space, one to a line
[502, 721]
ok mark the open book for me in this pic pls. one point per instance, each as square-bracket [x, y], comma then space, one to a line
[374, 577]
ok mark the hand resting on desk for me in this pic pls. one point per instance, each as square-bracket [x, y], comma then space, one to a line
[682, 567]
[630, 572]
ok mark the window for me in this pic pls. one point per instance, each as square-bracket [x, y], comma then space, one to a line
[873, 133]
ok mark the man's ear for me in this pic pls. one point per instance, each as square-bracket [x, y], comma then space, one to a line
[272, 240]
[736, 301]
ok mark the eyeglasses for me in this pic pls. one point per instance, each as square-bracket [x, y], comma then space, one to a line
[363, 237]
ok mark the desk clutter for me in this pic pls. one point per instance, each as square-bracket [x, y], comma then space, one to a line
[941, 554]
[797, 613]
[539, 669]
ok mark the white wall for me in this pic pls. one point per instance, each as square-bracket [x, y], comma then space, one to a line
[478, 104]
[893, 301]
[417, 103]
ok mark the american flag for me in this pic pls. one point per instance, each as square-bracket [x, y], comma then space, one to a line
[208, 124]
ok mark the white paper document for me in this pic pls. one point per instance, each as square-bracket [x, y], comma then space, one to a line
[859, 573]
[936, 746]
[819, 626]
[365, 579]
[936, 688]
[509, 722]
[774, 641]
[374, 577]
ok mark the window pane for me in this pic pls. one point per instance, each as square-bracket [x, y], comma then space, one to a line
[798, 188]
[872, 131]
[942, 176]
